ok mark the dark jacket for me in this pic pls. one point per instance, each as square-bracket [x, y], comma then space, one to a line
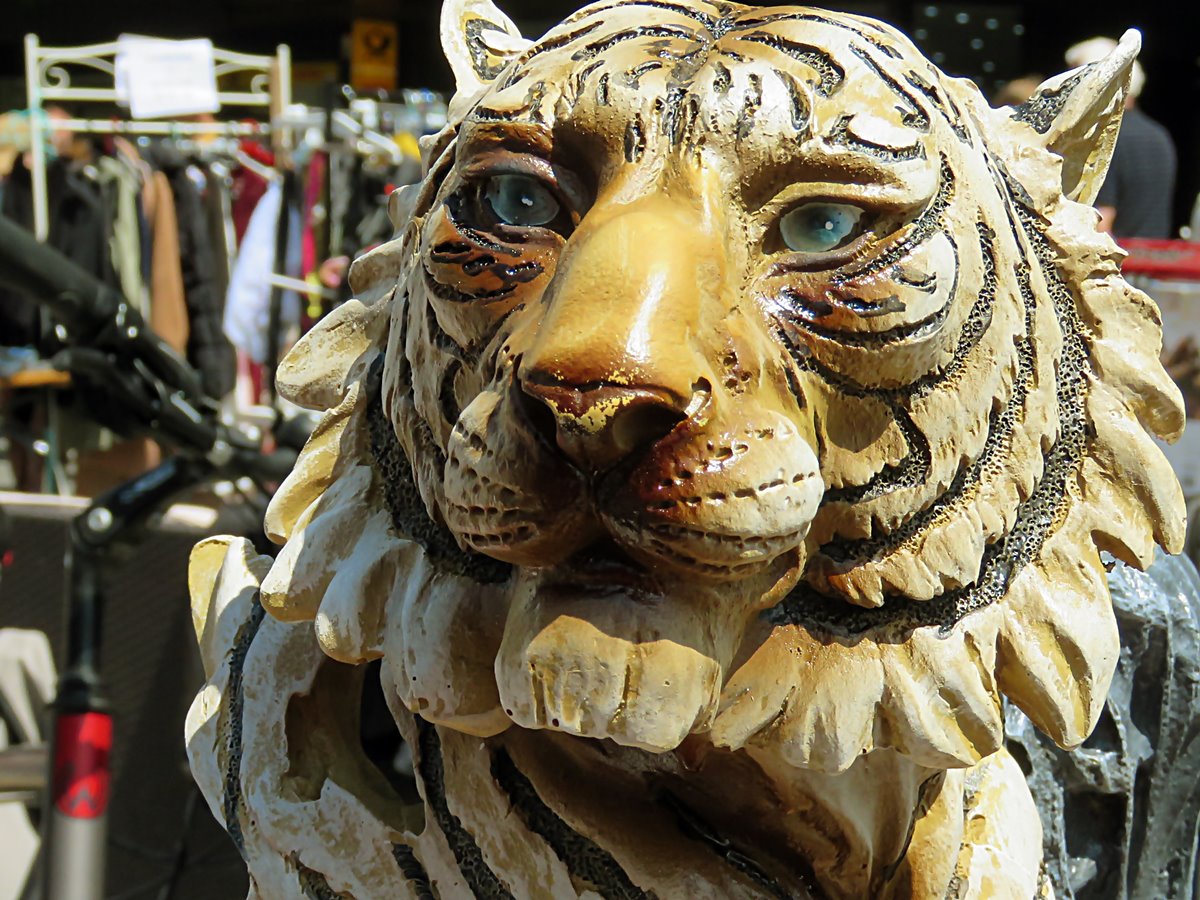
[208, 349]
[1141, 180]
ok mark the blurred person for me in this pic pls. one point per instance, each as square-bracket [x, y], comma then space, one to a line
[63, 143]
[1018, 90]
[15, 137]
[1135, 200]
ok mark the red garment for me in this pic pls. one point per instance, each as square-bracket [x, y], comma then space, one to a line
[314, 186]
[315, 219]
[247, 189]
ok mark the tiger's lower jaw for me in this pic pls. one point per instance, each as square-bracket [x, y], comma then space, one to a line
[601, 651]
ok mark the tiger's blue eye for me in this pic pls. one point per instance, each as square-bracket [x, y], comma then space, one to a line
[521, 201]
[820, 227]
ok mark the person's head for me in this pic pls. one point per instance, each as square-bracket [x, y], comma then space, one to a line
[1095, 49]
[60, 139]
[1018, 90]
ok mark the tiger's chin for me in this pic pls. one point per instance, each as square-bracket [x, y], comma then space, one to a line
[603, 646]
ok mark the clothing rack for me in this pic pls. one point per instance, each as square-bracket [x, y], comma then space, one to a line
[418, 111]
[48, 78]
[346, 132]
[227, 150]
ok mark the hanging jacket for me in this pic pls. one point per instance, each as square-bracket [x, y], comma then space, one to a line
[168, 306]
[120, 185]
[79, 228]
[208, 349]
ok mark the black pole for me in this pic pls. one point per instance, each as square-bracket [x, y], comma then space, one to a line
[275, 313]
[83, 727]
[76, 826]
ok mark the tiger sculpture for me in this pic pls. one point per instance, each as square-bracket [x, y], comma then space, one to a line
[739, 412]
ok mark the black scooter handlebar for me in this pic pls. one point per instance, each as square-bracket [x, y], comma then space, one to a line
[92, 313]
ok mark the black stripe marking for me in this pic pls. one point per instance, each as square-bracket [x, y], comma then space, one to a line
[314, 885]
[448, 294]
[547, 46]
[914, 468]
[488, 114]
[691, 121]
[1040, 110]
[830, 73]
[477, 264]
[722, 78]
[699, 830]
[709, 22]
[602, 90]
[232, 805]
[634, 76]
[885, 49]
[413, 871]
[635, 139]
[911, 331]
[914, 116]
[751, 102]
[450, 250]
[454, 214]
[925, 282]
[840, 133]
[801, 112]
[482, 881]
[591, 51]
[584, 858]
[773, 18]
[911, 471]
[582, 76]
[973, 330]
[672, 116]
[477, 47]
[976, 325]
[944, 104]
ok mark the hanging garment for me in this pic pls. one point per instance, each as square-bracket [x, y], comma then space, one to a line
[316, 220]
[168, 309]
[208, 349]
[18, 313]
[78, 228]
[121, 185]
[248, 304]
[345, 203]
[219, 216]
[247, 187]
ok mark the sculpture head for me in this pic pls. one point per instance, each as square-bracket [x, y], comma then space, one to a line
[735, 375]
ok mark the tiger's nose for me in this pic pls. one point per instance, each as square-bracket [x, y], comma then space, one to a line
[598, 426]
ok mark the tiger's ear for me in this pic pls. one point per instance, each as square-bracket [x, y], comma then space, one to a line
[1078, 114]
[478, 41]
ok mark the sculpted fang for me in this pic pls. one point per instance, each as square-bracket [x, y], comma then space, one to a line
[738, 414]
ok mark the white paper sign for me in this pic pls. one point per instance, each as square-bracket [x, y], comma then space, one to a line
[157, 77]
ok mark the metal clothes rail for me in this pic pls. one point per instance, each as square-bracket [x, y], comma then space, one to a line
[48, 73]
